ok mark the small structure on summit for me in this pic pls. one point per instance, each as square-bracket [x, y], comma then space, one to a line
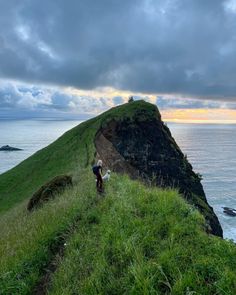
[131, 99]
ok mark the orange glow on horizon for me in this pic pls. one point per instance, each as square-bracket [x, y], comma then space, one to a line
[226, 116]
[205, 115]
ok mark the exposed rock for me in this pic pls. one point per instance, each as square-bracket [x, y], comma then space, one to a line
[228, 208]
[9, 148]
[229, 211]
[49, 190]
[112, 158]
[143, 147]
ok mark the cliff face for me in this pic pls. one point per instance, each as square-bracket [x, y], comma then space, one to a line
[143, 147]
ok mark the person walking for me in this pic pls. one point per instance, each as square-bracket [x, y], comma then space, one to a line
[97, 170]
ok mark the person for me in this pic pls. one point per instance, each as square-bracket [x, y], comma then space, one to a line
[97, 170]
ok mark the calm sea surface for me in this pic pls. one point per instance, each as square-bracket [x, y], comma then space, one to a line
[211, 149]
[30, 136]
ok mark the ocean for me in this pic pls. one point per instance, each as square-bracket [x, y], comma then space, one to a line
[210, 148]
[30, 136]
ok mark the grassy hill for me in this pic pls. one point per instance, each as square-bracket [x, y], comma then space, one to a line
[70, 153]
[135, 239]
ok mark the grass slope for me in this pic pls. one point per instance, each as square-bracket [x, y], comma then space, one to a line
[140, 240]
[27, 238]
[135, 240]
[71, 152]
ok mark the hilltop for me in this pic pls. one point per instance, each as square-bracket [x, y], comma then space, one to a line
[152, 233]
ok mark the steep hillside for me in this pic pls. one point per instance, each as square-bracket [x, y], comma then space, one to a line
[134, 240]
[144, 240]
[138, 238]
[71, 152]
[130, 139]
[143, 147]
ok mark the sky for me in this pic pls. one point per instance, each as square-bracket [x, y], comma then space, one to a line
[73, 59]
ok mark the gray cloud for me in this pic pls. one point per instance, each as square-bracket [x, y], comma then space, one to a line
[179, 103]
[184, 47]
[22, 101]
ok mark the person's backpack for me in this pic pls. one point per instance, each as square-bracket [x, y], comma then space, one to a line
[95, 169]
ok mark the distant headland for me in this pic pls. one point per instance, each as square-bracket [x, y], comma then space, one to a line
[9, 148]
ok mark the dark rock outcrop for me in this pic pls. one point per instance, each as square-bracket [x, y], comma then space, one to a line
[9, 148]
[229, 211]
[143, 147]
[48, 191]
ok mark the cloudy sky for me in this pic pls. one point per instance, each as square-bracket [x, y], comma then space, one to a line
[77, 58]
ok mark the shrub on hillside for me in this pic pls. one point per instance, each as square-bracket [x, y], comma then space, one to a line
[48, 191]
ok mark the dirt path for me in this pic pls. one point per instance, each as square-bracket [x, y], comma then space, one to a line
[45, 281]
[57, 251]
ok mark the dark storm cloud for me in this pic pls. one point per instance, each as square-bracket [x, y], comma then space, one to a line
[185, 47]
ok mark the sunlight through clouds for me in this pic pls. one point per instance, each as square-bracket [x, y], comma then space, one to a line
[83, 57]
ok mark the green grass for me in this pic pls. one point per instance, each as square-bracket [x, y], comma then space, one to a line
[134, 240]
[71, 152]
[26, 238]
[140, 240]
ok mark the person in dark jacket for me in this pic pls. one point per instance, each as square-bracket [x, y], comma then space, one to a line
[97, 170]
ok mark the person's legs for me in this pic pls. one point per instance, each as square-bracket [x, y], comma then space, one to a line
[99, 181]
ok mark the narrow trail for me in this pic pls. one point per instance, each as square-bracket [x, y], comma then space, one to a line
[43, 284]
[57, 251]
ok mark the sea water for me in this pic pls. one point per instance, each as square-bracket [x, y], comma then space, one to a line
[210, 148]
[30, 136]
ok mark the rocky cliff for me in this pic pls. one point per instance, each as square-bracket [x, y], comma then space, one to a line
[142, 146]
